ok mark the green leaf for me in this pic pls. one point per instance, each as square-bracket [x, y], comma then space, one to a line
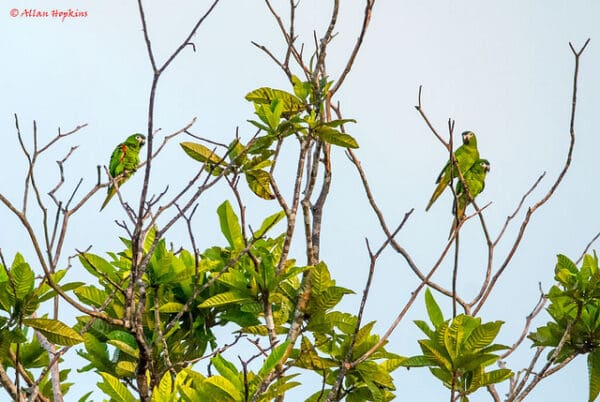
[434, 353]
[495, 376]
[268, 223]
[115, 389]
[259, 182]
[163, 392]
[433, 310]
[225, 298]
[301, 88]
[124, 347]
[171, 307]
[593, 363]
[125, 369]
[91, 295]
[230, 226]
[425, 328]
[55, 331]
[418, 361]
[97, 265]
[483, 335]
[273, 359]
[200, 153]
[22, 278]
[227, 370]
[291, 103]
[97, 353]
[335, 137]
[337, 123]
[390, 365]
[221, 389]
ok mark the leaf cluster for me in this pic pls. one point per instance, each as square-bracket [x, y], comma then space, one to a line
[20, 298]
[575, 311]
[458, 351]
[280, 115]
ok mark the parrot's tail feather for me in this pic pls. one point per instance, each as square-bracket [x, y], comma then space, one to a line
[109, 196]
[436, 194]
[453, 228]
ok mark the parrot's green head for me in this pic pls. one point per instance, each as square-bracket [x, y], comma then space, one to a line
[136, 140]
[468, 138]
[485, 164]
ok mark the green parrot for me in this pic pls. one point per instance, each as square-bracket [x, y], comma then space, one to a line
[475, 180]
[465, 155]
[123, 163]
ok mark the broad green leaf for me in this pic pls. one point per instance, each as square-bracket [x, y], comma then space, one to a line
[97, 353]
[124, 347]
[433, 310]
[442, 374]
[49, 294]
[432, 352]
[273, 359]
[225, 298]
[32, 354]
[268, 223]
[335, 137]
[593, 363]
[22, 278]
[237, 152]
[3, 274]
[91, 295]
[259, 182]
[163, 392]
[227, 370]
[344, 321]
[327, 299]
[425, 328]
[55, 331]
[280, 387]
[390, 365]
[373, 372]
[337, 123]
[171, 307]
[271, 113]
[97, 265]
[115, 389]
[470, 362]
[495, 376]
[125, 369]
[227, 390]
[364, 336]
[200, 153]
[483, 335]
[256, 330]
[418, 361]
[291, 103]
[450, 339]
[301, 88]
[230, 226]
[320, 278]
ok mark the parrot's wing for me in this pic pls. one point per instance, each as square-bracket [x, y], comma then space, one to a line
[116, 160]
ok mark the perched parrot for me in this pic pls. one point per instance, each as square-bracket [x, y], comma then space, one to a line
[475, 180]
[123, 163]
[465, 155]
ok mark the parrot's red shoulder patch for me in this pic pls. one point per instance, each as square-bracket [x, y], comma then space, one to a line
[123, 151]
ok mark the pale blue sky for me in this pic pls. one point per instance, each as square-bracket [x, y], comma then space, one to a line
[501, 69]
